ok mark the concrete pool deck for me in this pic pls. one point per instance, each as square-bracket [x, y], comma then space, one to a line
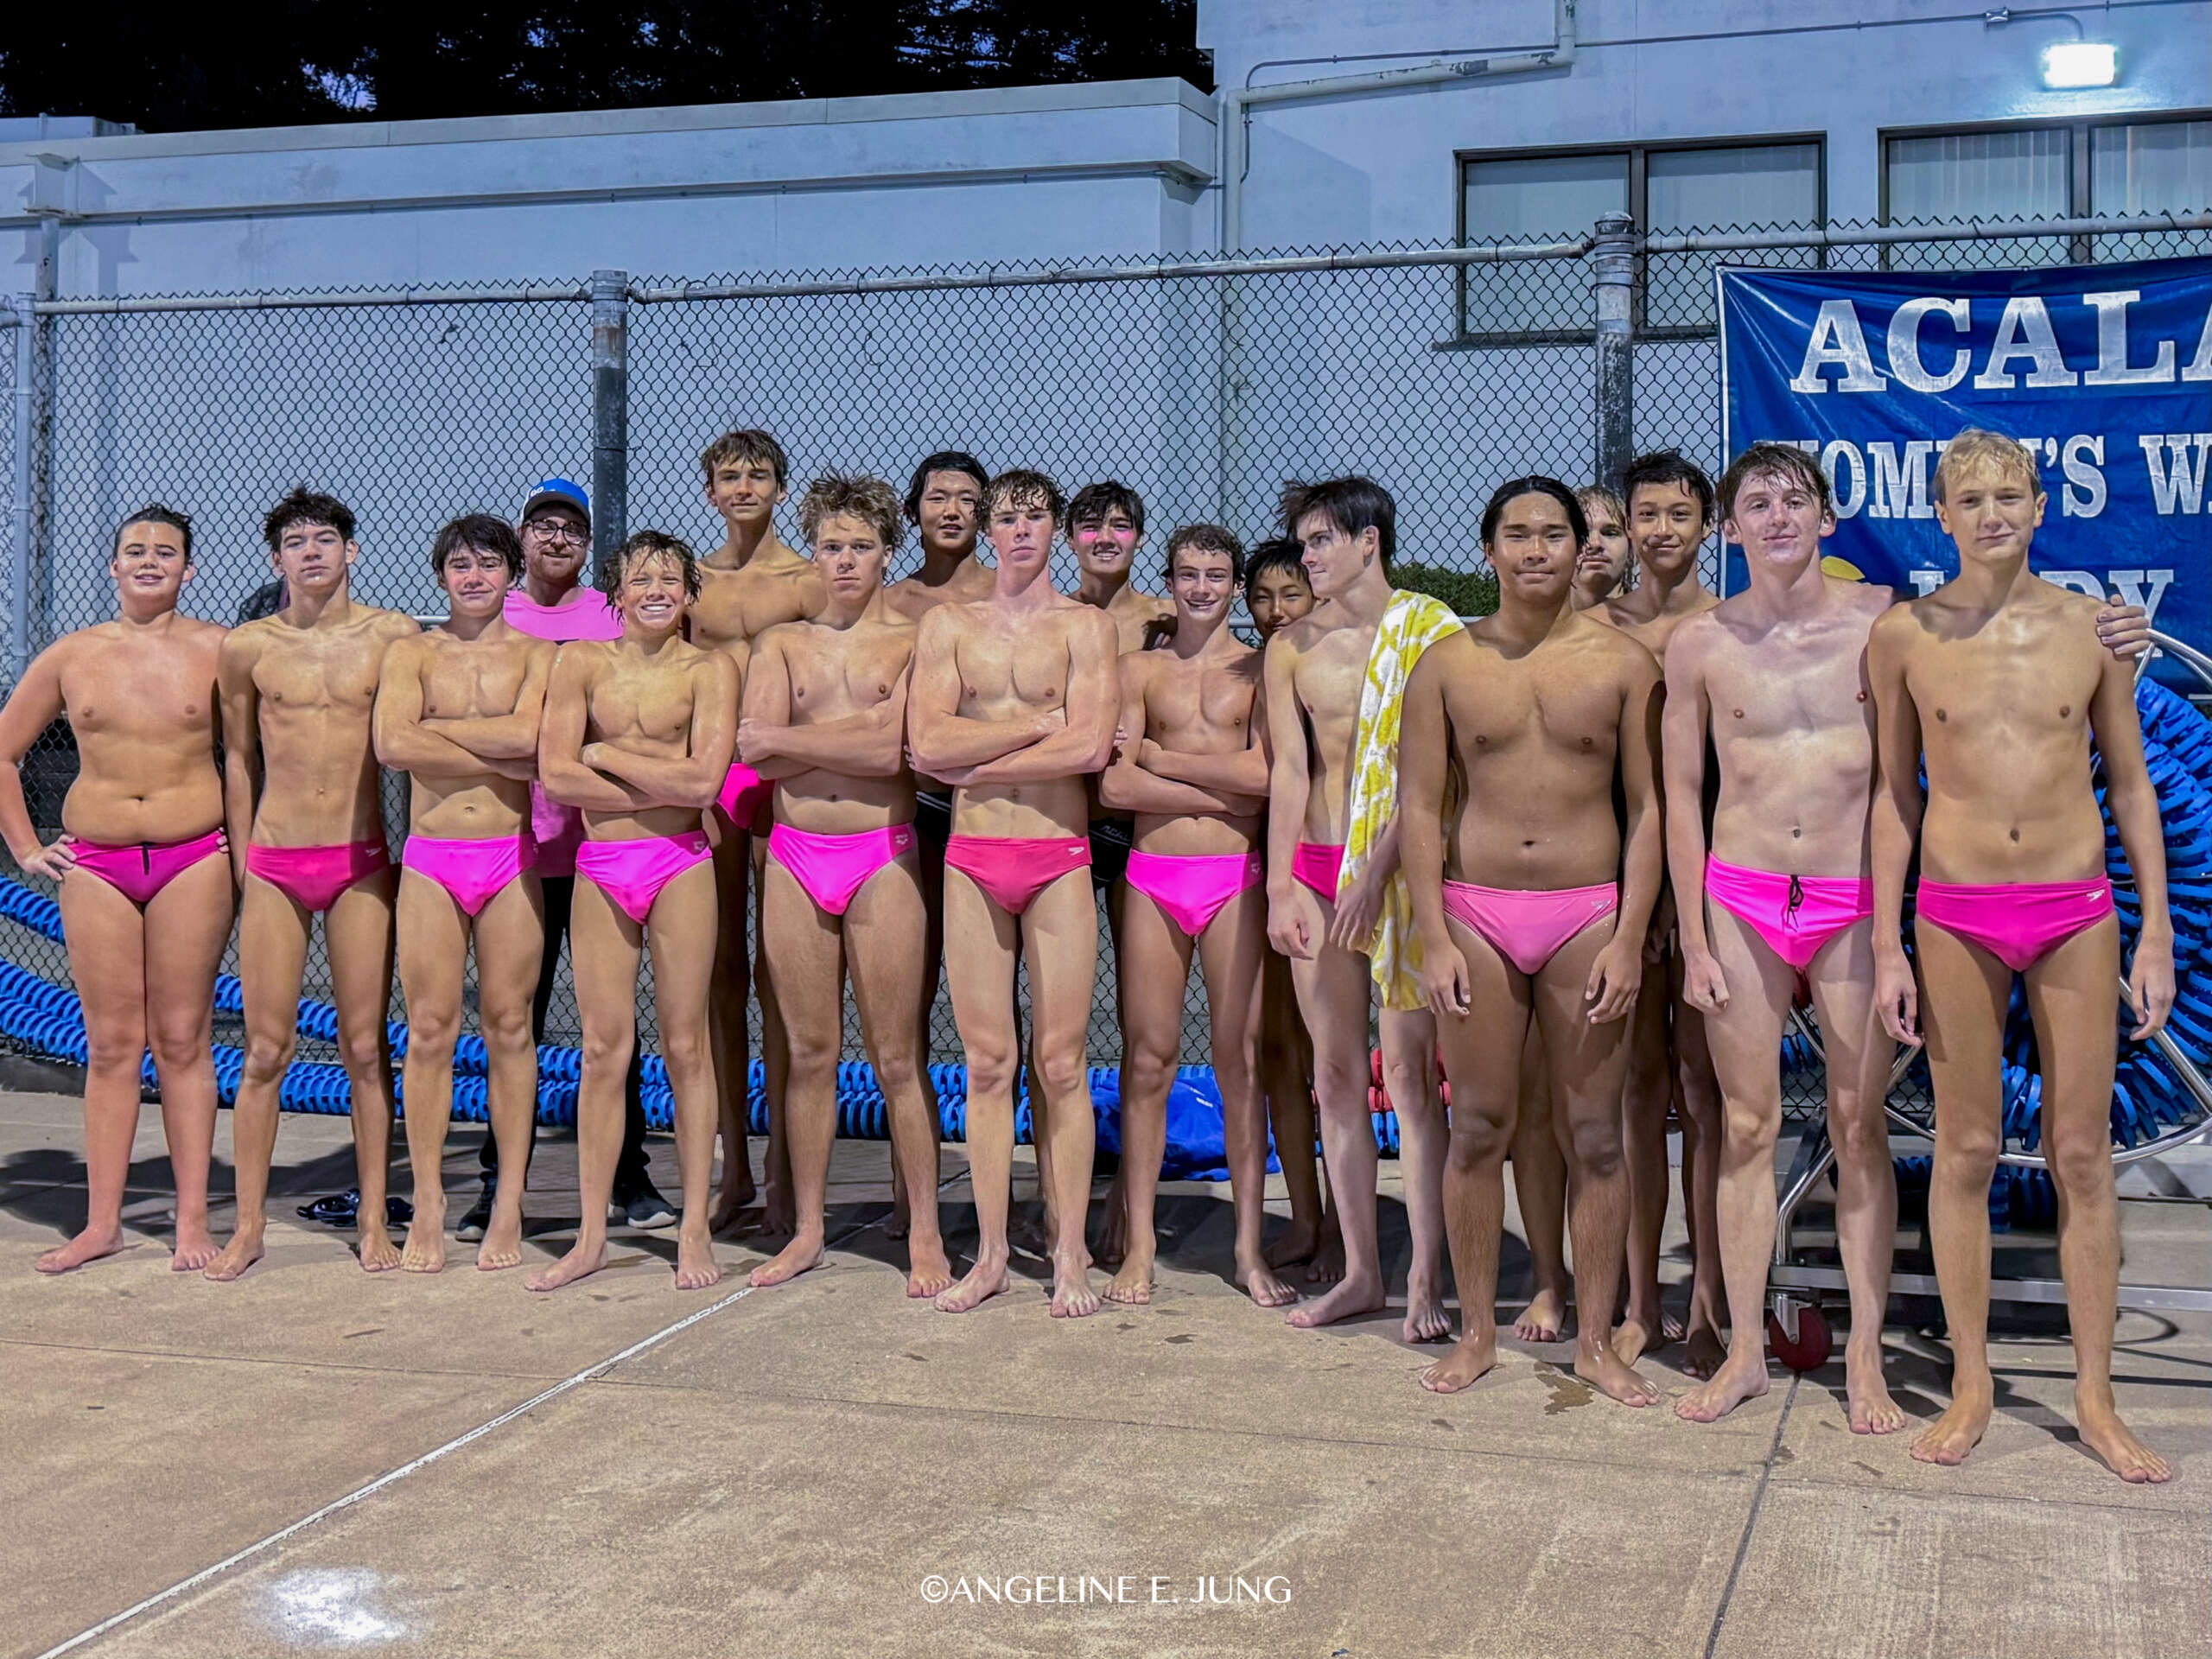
[787, 1473]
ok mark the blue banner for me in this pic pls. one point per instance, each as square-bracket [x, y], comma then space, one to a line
[2104, 373]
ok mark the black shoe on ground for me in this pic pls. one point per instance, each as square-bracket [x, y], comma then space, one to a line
[344, 1210]
[478, 1217]
[336, 1210]
[644, 1208]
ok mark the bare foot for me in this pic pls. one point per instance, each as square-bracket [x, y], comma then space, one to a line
[426, 1238]
[1327, 1265]
[696, 1267]
[1732, 1384]
[1633, 1337]
[779, 1212]
[378, 1254]
[1350, 1297]
[580, 1262]
[235, 1257]
[1113, 1244]
[1542, 1320]
[1257, 1281]
[984, 1280]
[1470, 1357]
[1295, 1244]
[1425, 1319]
[1132, 1284]
[902, 1218]
[928, 1272]
[195, 1248]
[1957, 1432]
[1644, 1329]
[1613, 1376]
[88, 1246]
[1706, 1354]
[736, 1193]
[2105, 1434]
[1073, 1296]
[788, 1264]
[1866, 1396]
[501, 1246]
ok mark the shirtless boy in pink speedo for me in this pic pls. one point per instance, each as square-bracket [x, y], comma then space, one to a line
[824, 720]
[1998, 680]
[458, 711]
[306, 838]
[144, 878]
[637, 734]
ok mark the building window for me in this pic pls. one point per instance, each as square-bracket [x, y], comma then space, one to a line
[2148, 167]
[1557, 196]
[2077, 169]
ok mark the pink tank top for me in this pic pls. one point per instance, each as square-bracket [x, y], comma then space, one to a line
[558, 829]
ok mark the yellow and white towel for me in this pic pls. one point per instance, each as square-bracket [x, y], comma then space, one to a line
[1411, 624]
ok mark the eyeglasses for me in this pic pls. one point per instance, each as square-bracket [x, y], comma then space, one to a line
[554, 530]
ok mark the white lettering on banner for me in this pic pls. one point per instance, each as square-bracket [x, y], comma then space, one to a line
[2179, 483]
[2112, 368]
[2024, 334]
[1839, 450]
[1926, 582]
[1905, 362]
[2144, 587]
[1900, 487]
[1838, 342]
[2081, 460]
[2024, 331]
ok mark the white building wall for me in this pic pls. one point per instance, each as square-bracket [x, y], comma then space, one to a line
[1334, 172]
[820, 185]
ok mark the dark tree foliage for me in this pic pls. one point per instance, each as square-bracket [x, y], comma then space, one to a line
[169, 68]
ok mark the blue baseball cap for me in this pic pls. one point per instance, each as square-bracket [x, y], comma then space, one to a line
[561, 492]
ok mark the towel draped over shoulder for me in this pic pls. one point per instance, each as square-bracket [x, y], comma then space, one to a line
[1411, 623]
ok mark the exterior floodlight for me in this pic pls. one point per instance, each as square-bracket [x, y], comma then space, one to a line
[2080, 63]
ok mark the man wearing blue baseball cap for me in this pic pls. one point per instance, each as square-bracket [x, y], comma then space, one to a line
[553, 601]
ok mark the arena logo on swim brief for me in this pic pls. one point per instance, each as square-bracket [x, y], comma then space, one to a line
[2103, 372]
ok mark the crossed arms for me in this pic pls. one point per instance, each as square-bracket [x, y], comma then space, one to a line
[1030, 747]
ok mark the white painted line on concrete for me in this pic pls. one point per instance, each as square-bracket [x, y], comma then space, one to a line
[596, 1369]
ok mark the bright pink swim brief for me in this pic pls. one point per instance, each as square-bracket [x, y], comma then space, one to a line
[1794, 914]
[1192, 888]
[313, 877]
[138, 870]
[2019, 923]
[1527, 928]
[1012, 870]
[632, 872]
[471, 871]
[744, 793]
[832, 868]
[1318, 866]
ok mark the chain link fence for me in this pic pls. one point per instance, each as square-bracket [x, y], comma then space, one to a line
[1204, 384]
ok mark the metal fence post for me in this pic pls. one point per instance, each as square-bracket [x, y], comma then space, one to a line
[1613, 259]
[24, 481]
[610, 413]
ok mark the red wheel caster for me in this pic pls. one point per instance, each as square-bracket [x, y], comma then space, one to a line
[1797, 1334]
